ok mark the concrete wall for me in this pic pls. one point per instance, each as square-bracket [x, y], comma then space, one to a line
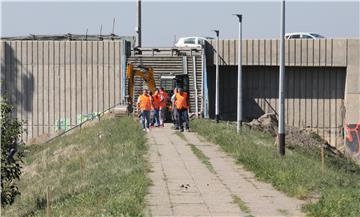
[335, 57]
[298, 52]
[55, 85]
[314, 100]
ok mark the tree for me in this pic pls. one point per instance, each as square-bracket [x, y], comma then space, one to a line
[11, 154]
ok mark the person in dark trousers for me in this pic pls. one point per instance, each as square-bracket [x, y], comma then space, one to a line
[144, 105]
[174, 112]
[181, 104]
[162, 106]
[156, 97]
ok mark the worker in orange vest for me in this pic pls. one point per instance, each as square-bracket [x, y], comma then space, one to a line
[155, 108]
[181, 104]
[144, 104]
[174, 112]
[162, 106]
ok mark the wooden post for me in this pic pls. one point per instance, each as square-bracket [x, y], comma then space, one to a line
[322, 159]
[82, 165]
[48, 198]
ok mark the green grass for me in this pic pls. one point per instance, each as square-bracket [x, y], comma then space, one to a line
[298, 174]
[113, 183]
[242, 205]
[202, 157]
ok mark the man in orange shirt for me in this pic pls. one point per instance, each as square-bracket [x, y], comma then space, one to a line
[162, 106]
[181, 104]
[155, 108]
[144, 104]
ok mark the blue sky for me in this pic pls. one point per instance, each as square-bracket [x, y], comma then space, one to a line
[163, 20]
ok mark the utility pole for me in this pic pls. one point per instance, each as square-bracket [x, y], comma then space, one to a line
[281, 131]
[217, 78]
[113, 27]
[138, 27]
[239, 84]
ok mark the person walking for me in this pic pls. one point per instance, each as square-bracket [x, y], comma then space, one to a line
[181, 104]
[156, 106]
[174, 112]
[144, 104]
[162, 106]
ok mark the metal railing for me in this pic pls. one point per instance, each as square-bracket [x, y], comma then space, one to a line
[82, 123]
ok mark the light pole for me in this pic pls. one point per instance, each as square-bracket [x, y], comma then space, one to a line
[217, 78]
[138, 27]
[281, 131]
[239, 84]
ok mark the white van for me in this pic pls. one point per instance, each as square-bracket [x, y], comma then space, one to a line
[191, 42]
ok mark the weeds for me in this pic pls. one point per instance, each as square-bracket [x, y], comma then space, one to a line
[242, 205]
[298, 173]
[202, 157]
[98, 171]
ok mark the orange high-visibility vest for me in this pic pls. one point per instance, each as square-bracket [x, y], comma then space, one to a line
[145, 102]
[181, 101]
[163, 103]
[156, 101]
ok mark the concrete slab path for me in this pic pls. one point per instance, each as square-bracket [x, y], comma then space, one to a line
[184, 186]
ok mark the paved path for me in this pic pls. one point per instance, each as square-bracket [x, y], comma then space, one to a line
[184, 186]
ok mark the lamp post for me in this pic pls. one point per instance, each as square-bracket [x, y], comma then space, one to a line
[217, 78]
[138, 27]
[239, 81]
[281, 131]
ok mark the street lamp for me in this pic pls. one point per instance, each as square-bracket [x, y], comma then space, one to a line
[217, 77]
[239, 84]
[281, 131]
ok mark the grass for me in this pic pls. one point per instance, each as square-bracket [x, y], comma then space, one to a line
[98, 171]
[336, 192]
[202, 157]
[181, 135]
[284, 212]
[242, 205]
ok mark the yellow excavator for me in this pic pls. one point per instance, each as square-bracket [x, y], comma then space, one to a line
[146, 73]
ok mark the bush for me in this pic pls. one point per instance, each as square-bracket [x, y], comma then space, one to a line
[11, 154]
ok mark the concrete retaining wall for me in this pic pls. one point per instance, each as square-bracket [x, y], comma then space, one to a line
[332, 59]
[55, 85]
[314, 100]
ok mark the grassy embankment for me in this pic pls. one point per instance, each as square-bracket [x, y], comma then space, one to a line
[299, 173]
[98, 171]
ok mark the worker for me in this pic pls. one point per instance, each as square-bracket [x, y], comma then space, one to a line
[144, 104]
[155, 108]
[174, 112]
[181, 104]
[162, 106]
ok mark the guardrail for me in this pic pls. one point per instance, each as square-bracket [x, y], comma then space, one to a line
[82, 123]
[168, 51]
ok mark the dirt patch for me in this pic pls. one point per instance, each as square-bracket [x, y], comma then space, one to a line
[268, 123]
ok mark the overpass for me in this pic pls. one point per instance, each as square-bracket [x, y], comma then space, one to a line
[56, 85]
[322, 83]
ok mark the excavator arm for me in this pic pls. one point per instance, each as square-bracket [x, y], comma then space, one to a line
[146, 73]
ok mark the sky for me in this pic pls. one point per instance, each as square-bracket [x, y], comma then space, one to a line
[163, 21]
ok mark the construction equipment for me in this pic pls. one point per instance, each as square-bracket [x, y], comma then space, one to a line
[146, 73]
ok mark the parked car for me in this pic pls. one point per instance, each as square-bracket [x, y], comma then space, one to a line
[192, 42]
[303, 35]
